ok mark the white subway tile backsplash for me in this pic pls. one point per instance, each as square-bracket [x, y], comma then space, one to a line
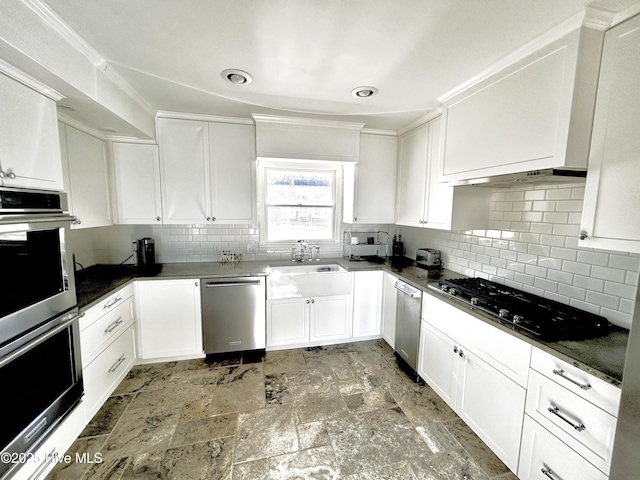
[534, 246]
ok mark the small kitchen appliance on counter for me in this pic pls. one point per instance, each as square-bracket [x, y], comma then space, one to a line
[145, 254]
[429, 259]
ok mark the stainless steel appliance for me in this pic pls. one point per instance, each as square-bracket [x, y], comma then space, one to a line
[540, 317]
[233, 314]
[408, 308]
[40, 367]
[428, 258]
[145, 253]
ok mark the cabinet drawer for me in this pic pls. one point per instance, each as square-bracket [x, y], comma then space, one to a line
[103, 374]
[107, 327]
[508, 354]
[587, 429]
[106, 305]
[583, 384]
[541, 452]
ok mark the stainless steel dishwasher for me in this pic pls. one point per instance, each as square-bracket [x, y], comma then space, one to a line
[408, 307]
[233, 314]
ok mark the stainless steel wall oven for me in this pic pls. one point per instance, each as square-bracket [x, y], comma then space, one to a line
[40, 367]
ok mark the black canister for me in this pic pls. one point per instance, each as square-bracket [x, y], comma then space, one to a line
[146, 258]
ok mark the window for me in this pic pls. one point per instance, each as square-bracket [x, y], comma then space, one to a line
[299, 203]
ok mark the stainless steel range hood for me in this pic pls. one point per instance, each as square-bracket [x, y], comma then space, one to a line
[548, 175]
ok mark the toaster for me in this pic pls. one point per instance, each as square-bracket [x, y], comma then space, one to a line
[428, 258]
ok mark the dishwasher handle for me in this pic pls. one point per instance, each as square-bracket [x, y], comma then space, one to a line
[407, 290]
[226, 283]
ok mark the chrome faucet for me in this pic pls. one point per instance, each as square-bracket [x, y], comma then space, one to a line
[299, 251]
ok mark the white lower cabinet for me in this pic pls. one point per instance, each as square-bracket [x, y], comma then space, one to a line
[170, 319]
[303, 321]
[389, 308]
[367, 304]
[482, 393]
[544, 456]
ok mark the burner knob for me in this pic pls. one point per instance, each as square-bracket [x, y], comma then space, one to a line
[475, 301]
[444, 288]
[517, 319]
[453, 291]
[503, 313]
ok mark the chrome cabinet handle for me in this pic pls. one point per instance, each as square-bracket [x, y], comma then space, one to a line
[313, 301]
[307, 302]
[556, 411]
[158, 218]
[455, 349]
[114, 325]
[115, 366]
[11, 175]
[547, 472]
[213, 219]
[76, 221]
[461, 353]
[560, 373]
[583, 235]
[111, 304]
[208, 219]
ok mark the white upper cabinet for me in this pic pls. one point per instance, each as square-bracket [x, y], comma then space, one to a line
[207, 172]
[86, 177]
[371, 188]
[422, 201]
[609, 216]
[30, 149]
[137, 183]
[532, 115]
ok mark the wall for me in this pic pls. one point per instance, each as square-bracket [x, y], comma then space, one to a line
[532, 244]
[188, 243]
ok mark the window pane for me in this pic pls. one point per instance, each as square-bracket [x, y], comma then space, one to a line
[300, 223]
[287, 187]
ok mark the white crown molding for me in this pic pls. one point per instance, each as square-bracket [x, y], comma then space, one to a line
[598, 18]
[375, 131]
[626, 14]
[314, 122]
[124, 139]
[64, 30]
[72, 122]
[203, 117]
[28, 81]
[541, 41]
[422, 120]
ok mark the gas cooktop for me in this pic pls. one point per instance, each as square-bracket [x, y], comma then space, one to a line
[543, 318]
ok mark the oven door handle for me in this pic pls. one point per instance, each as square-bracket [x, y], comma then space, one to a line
[13, 219]
[42, 338]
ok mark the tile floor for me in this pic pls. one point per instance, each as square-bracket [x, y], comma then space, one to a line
[340, 412]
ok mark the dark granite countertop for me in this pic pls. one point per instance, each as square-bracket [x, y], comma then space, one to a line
[603, 356]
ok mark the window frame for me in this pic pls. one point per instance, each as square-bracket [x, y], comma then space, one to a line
[308, 166]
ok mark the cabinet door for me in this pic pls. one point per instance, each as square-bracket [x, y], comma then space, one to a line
[287, 321]
[438, 363]
[367, 304]
[389, 309]
[137, 182]
[30, 147]
[86, 177]
[438, 206]
[184, 171]
[169, 317]
[609, 217]
[376, 179]
[492, 405]
[412, 176]
[330, 318]
[233, 173]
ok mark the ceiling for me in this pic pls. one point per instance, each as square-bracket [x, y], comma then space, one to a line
[305, 56]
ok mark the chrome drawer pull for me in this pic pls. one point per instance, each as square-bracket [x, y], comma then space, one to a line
[547, 472]
[115, 366]
[560, 373]
[114, 325]
[556, 411]
[111, 304]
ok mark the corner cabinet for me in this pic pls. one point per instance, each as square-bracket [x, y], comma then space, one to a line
[534, 114]
[422, 200]
[609, 218]
[86, 177]
[136, 169]
[169, 318]
[208, 172]
[30, 148]
[370, 185]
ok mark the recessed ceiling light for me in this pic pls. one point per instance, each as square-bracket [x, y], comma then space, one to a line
[364, 92]
[239, 77]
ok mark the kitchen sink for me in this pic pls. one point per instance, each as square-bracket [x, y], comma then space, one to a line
[306, 268]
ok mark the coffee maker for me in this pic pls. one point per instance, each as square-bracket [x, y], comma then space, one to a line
[145, 254]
